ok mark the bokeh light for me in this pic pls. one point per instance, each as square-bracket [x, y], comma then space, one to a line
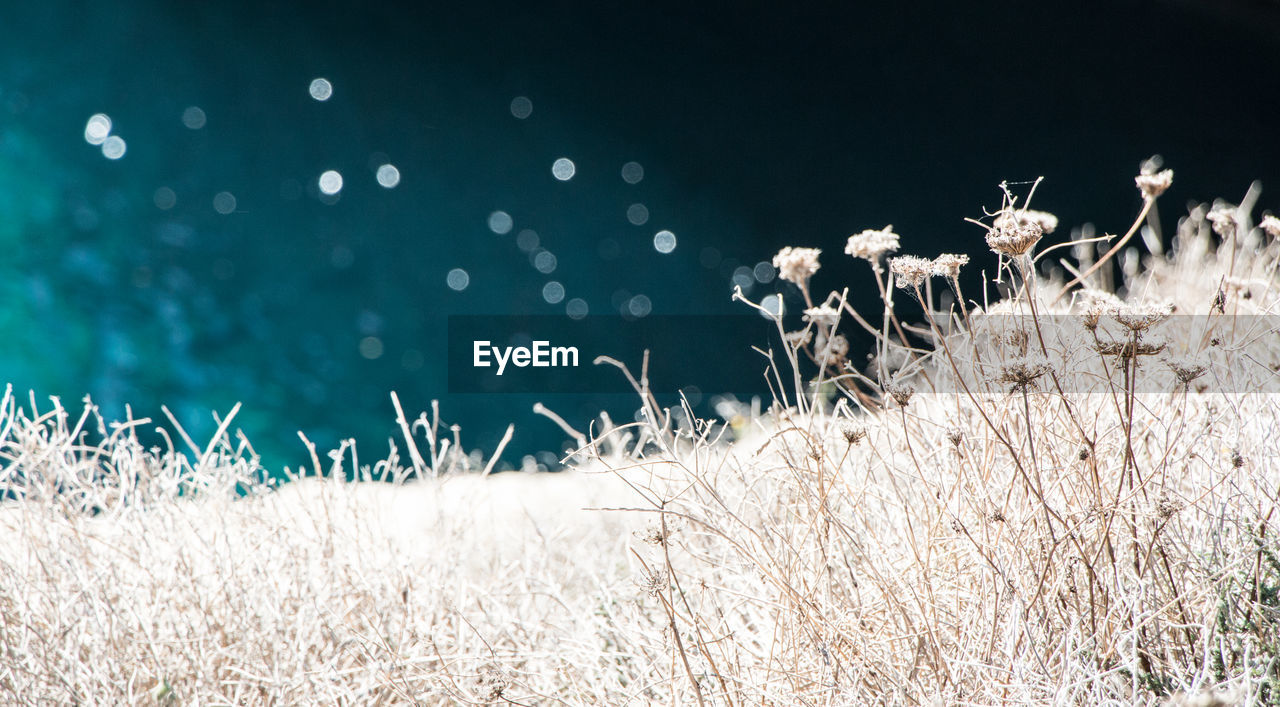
[632, 173]
[639, 306]
[553, 292]
[224, 202]
[371, 347]
[772, 304]
[330, 182]
[576, 308]
[638, 214]
[113, 148]
[664, 241]
[97, 129]
[521, 107]
[527, 240]
[500, 222]
[321, 89]
[563, 169]
[545, 262]
[457, 279]
[193, 117]
[164, 198]
[388, 176]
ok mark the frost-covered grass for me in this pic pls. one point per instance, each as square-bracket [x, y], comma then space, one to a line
[1066, 496]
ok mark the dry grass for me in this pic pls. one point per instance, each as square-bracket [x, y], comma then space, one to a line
[1016, 509]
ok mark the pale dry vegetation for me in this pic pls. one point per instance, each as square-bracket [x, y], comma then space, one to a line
[1065, 496]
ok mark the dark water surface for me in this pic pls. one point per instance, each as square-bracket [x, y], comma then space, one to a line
[206, 265]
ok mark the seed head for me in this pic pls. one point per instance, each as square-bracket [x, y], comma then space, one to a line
[1187, 368]
[491, 684]
[800, 338]
[824, 315]
[1152, 183]
[1015, 240]
[1090, 316]
[654, 582]
[1271, 225]
[835, 346]
[900, 392]
[796, 264]
[871, 244]
[1125, 350]
[1141, 317]
[1223, 219]
[852, 434]
[653, 535]
[948, 265]
[1018, 339]
[1047, 222]
[1023, 371]
[909, 271]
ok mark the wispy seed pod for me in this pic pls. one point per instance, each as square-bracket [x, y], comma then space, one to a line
[909, 271]
[1014, 241]
[852, 434]
[797, 264]
[872, 244]
[900, 392]
[1153, 184]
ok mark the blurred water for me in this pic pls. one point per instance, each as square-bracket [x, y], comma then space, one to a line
[288, 203]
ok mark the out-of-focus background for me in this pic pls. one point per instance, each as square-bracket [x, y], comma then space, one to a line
[280, 203]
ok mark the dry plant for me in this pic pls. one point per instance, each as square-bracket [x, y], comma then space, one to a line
[1066, 496]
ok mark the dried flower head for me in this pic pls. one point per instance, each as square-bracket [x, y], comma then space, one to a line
[1015, 240]
[900, 392]
[1125, 350]
[1021, 372]
[1271, 225]
[1187, 368]
[871, 244]
[948, 265]
[800, 338]
[823, 315]
[852, 434]
[490, 684]
[653, 534]
[1090, 316]
[1018, 339]
[835, 347]
[1223, 219]
[796, 264]
[1153, 184]
[955, 436]
[1166, 507]
[1140, 317]
[1013, 218]
[1094, 304]
[909, 271]
[654, 582]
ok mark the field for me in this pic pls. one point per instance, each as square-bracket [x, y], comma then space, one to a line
[1064, 495]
